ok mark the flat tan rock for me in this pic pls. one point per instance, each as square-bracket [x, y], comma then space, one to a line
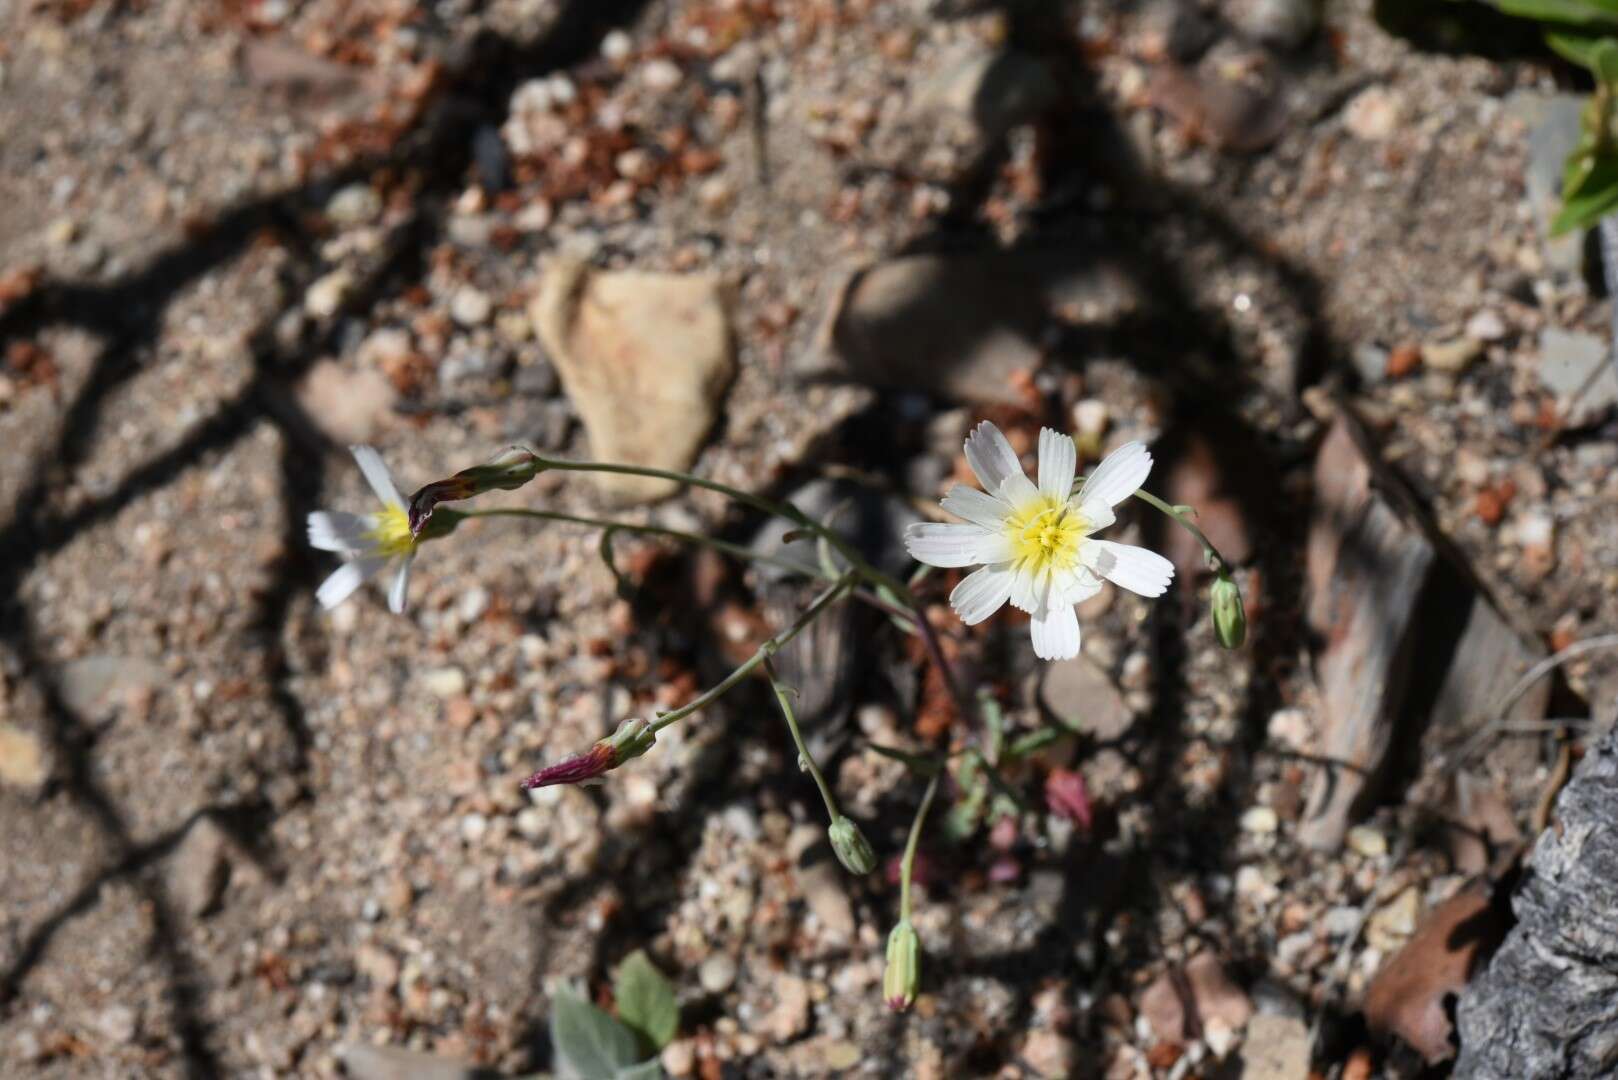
[646, 359]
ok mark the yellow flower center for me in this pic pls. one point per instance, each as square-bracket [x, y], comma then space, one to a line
[392, 533]
[1046, 533]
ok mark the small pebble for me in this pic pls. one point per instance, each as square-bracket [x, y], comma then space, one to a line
[356, 204]
[1486, 325]
[660, 75]
[470, 306]
[717, 973]
[1452, 355]
[474, 827]
[1367, 841]
[444, 682]
[1260, 820]
[616, 47]
[327, 294]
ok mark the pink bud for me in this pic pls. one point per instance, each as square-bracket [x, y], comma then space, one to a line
[1068, 796]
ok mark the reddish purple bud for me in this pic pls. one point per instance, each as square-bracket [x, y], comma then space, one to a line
[1068, 796]
[632, 739]
[576, 769]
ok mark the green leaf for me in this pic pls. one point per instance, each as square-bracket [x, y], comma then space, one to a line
[589, 1044]
[651, 1069]
[646, 1000]
[1575, 46]
[1592, 198]
[1576, 12]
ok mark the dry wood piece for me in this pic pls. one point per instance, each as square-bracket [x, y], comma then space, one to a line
[1408, 640]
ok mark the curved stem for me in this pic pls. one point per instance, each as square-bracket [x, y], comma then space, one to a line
[1186, 523]
[725, 546]
[747, 498]
[908, 865]
[783, 694]
[765, 651]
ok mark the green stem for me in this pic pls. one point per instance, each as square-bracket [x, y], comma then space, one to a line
[758, 502]
[909, 862]
[783, 694]
[765, 651]
[735, 550]
[1186, 523]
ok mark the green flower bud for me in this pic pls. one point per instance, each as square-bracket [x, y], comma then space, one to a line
[853, 850]
[1229, 617]
[903, 975]
[632, 739]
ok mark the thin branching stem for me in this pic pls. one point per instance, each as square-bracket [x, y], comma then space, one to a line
[783, 695]
[908, 865]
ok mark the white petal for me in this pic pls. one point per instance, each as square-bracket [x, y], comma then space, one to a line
[333, 530]
[976, 506]
[1120, 475]
[1097, 515]
[1029, 589]
[981, 593]
[401, 583]
[1074, 587]
[1056, 636]
[1058, 461]
[1135, 568]
[370, 463]
[945, 545]
[344, 580]
[991, 457]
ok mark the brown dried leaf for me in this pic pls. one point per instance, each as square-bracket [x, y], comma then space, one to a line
[1413, 994]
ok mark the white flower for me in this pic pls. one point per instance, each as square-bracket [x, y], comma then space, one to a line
[1034, 541]
[367, 542]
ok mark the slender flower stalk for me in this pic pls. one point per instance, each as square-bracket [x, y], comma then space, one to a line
[848, 843]
[764, 652]
[517, 465]
[902, 977]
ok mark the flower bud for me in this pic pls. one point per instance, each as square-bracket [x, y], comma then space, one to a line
[1229, 617]
[902, 977]
[853, 850]
[508, 470]
[632, 739]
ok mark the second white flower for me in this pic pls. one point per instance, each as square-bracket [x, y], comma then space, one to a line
[1035, 542]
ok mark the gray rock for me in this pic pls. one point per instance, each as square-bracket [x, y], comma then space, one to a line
[1576, 368]
[825, 888]
[201, 868]
[1371, 361]
[983, 94]
[1081, 695]
[963, 326]
[365, 1062]
[1285, 24]
[1547, 1004]
[1553, 130]
[93, 684]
